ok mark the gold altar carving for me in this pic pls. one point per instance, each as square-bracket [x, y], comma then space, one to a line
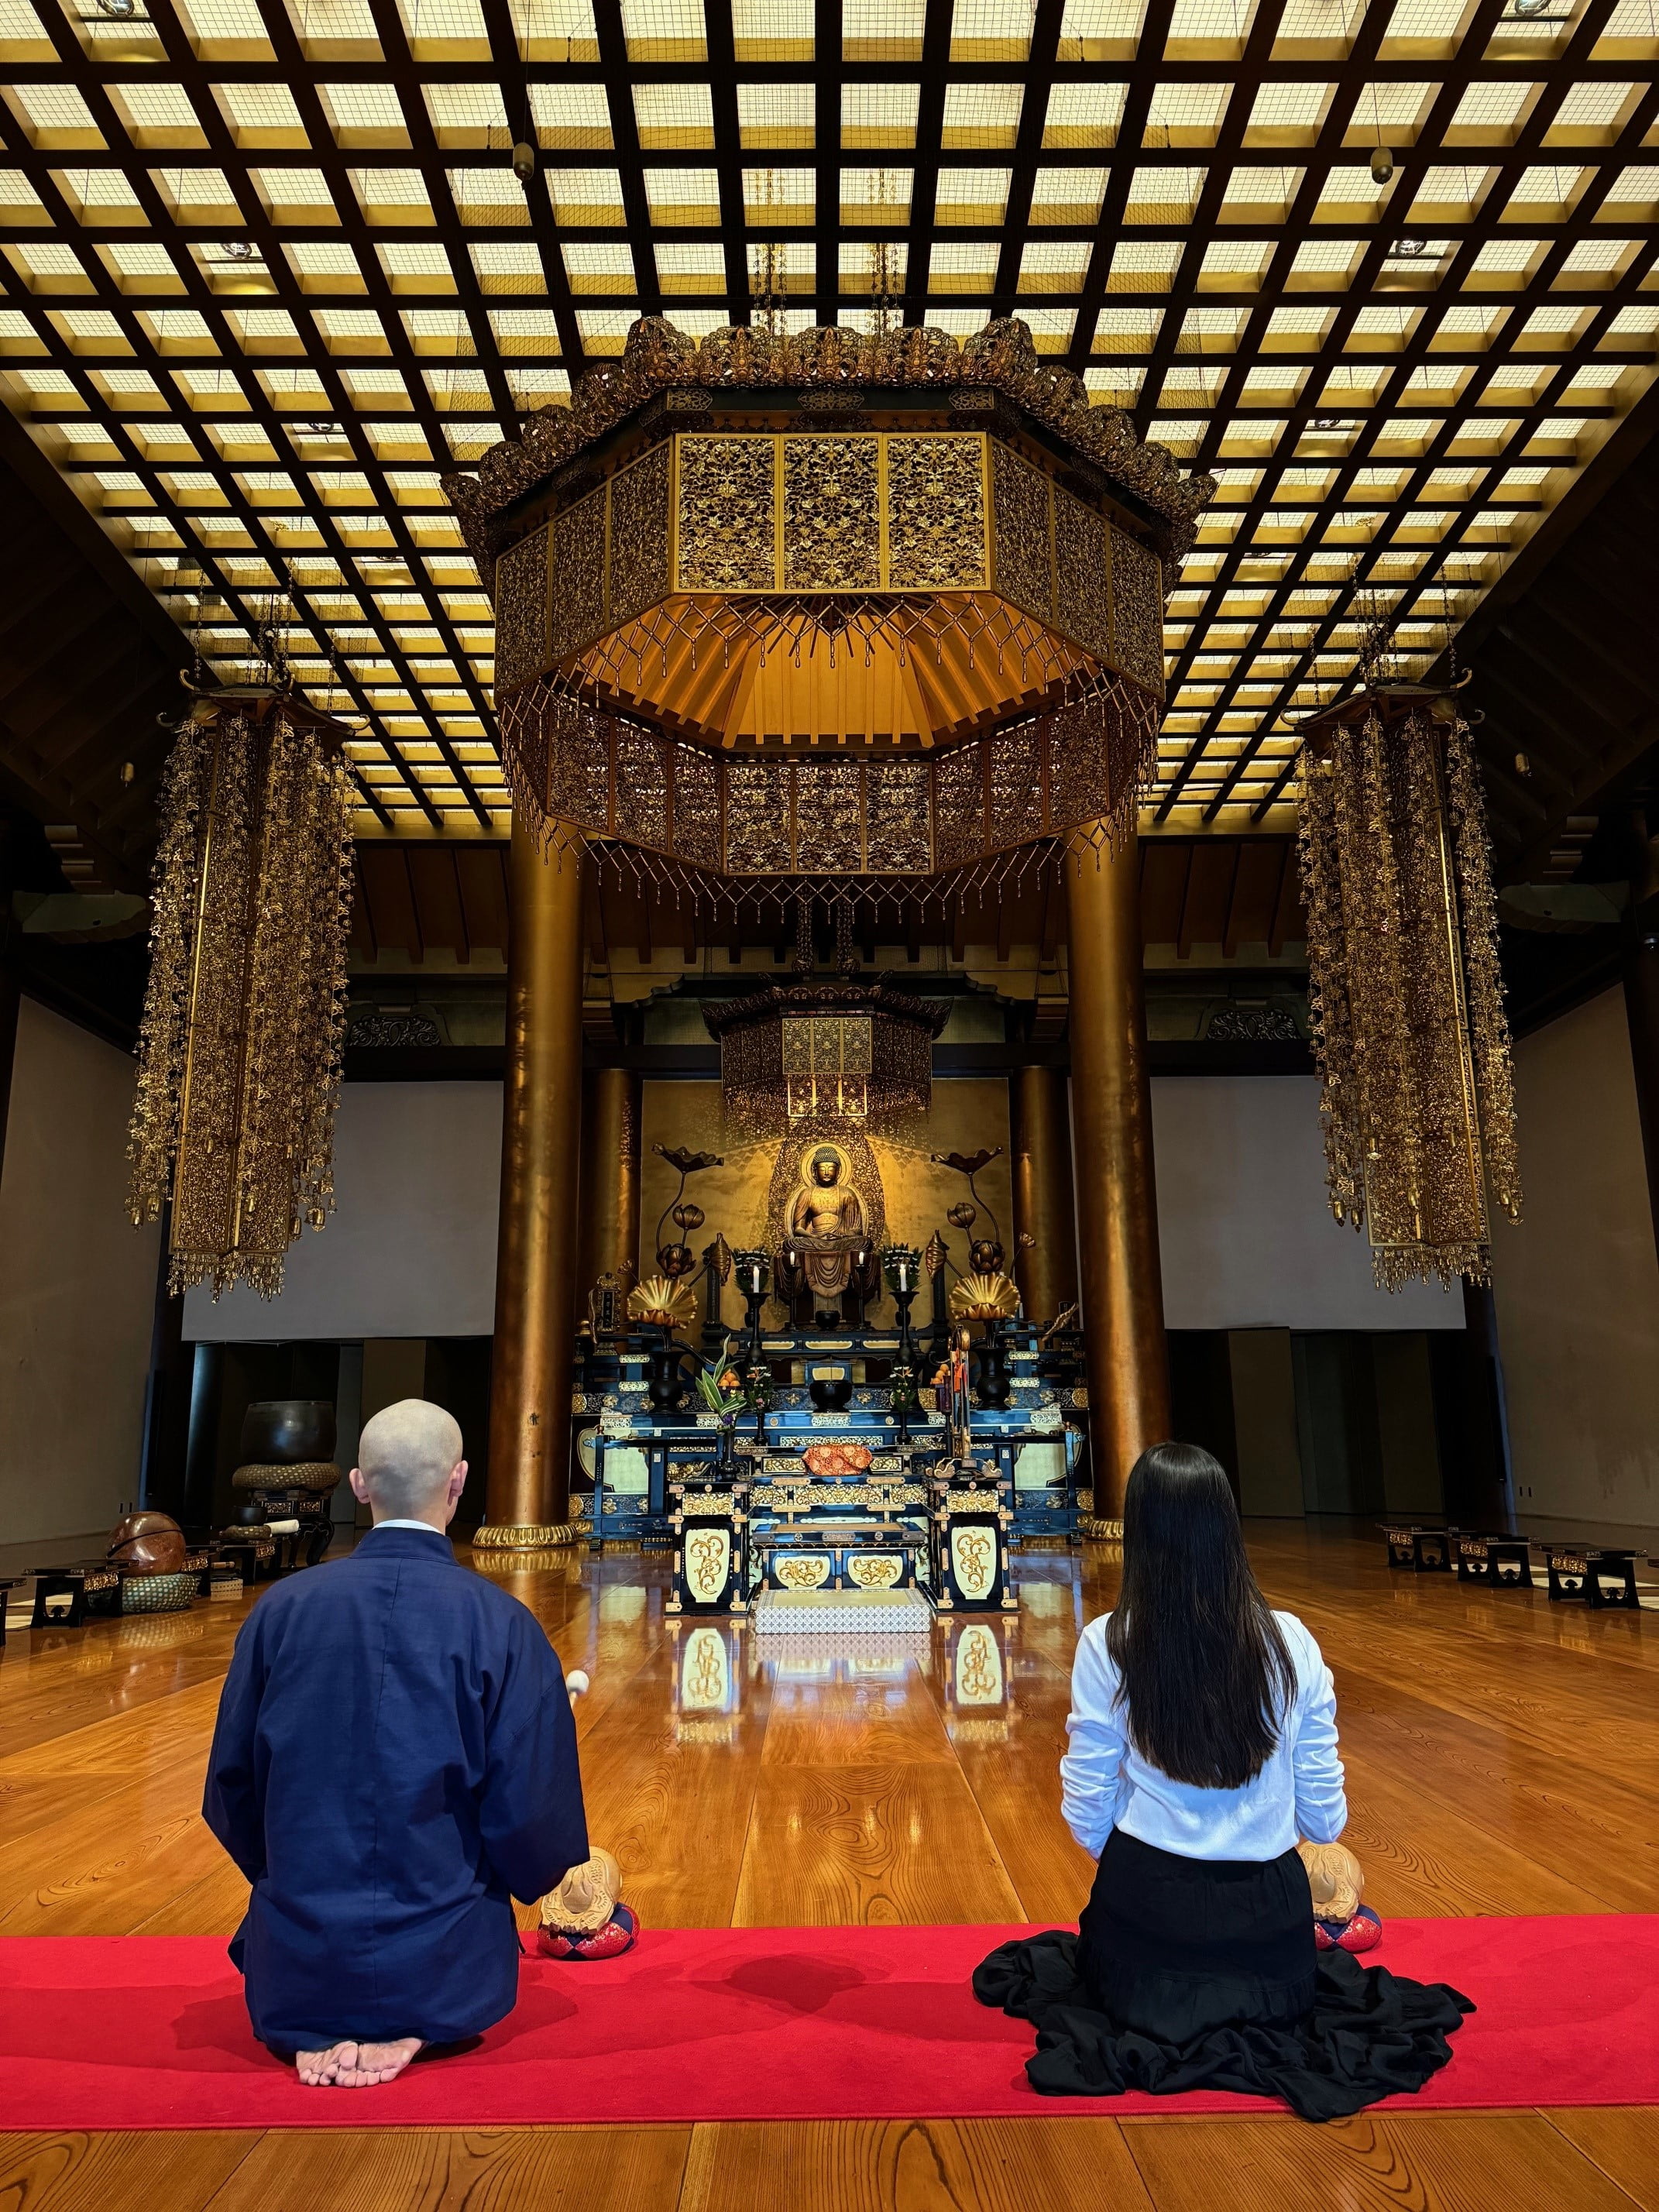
[807, 1495]
[708, 1563]
[876, 1571]
[803, 1570]
[1409, 1029]
[974, 1562]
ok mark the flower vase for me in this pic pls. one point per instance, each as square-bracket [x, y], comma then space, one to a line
[664, 1386]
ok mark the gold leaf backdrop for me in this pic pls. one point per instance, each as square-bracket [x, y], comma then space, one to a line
[967, 1111]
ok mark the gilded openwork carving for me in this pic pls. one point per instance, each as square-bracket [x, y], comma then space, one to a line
[827, 827]
[959, 805]
[726, 519]
[577, 595]
[1079, 767]
[577, 774]
[1082, 593]
[1025, 571]
[696, 807]
[936, 512]
[757, 842]
[897, 817]
[521, 609]
[1137, 613]
[1016, 785]
[639, 537]
[642, 785]
[831, 514]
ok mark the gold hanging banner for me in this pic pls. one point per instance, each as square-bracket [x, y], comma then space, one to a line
[238, 1055]
[1409, 1029]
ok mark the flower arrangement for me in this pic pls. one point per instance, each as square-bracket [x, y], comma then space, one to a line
[722, 1386]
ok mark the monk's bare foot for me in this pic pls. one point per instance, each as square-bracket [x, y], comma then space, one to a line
[355, 2065]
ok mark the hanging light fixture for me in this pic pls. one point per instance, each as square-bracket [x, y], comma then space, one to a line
[809, 1056]
[1409, 1030]
[238, 1055]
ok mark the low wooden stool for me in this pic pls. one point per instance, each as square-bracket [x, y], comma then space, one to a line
[68, 1597]
[1503, 1562]
[1418, 1551]
[1597, 1575]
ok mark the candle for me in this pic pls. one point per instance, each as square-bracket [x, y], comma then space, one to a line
[904, 1277]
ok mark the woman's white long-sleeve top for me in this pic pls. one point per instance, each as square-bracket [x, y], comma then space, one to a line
[1106, 1784]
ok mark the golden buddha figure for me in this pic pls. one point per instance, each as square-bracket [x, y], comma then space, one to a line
[826, 1224]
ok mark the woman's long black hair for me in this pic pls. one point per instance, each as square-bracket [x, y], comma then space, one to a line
[1204, 1672]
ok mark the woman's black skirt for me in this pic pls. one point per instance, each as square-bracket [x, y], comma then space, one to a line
[1202, 1974]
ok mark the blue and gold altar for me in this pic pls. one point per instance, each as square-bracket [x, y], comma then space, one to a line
[862, 1469]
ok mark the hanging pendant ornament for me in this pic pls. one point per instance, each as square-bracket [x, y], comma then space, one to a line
[239, 1054]
[1409, 1029]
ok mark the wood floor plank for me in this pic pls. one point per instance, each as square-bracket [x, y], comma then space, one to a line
[836, 1846]
[914, 2165]
[1623, 2140]
[856, 1724]
[452, 2170]
[83, 2172]
[1431, 2162]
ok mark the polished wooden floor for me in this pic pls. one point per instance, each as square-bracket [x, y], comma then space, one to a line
[1503, 1757]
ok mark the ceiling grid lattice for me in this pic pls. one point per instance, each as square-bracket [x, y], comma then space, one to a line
[268, 274]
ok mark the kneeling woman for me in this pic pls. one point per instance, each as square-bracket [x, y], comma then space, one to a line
[1203, 1744]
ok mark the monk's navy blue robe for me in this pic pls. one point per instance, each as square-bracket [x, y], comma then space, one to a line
[394, 1761]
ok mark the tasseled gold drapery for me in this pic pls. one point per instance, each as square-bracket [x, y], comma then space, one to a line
[1409, 1029]
[238, 1055]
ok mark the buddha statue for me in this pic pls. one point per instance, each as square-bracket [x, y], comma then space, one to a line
[827, 1249]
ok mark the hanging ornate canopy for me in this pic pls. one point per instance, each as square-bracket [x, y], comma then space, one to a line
[238, 1055]
[828, 605]
[1409, 1028]
[805, 1055]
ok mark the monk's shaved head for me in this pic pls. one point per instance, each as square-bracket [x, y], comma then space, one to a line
[406, 1455]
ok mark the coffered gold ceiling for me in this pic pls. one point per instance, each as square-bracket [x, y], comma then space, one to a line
[269, 275]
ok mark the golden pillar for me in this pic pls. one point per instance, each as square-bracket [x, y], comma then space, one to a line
[1116, 1196]
[610, 1244]
[1040, 1125]
[528, 1495]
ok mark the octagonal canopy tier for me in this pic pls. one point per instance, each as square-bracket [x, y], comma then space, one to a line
[766, 628]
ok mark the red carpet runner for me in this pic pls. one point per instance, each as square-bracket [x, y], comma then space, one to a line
[763, 2023]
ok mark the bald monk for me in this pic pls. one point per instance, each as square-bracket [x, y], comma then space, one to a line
[394, 1762]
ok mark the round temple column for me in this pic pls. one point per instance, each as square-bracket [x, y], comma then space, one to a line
[610, 1242]
[1642, 997]
[1116, 1196]
[528, 1496]
[1040, 1123]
